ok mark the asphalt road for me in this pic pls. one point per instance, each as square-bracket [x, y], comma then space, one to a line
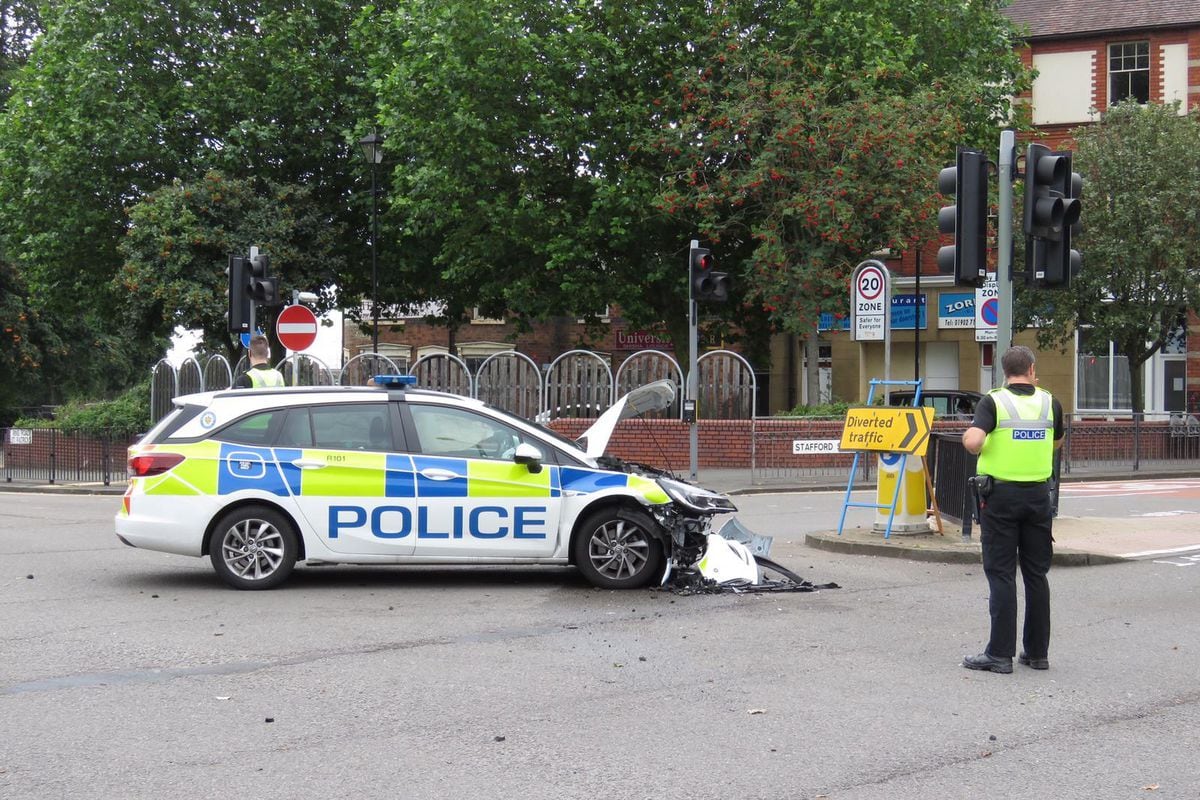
[130, 674]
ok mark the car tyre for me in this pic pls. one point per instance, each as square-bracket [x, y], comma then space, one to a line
[618, 549]
[253, 547]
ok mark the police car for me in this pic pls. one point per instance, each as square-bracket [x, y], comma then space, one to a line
[258, 480]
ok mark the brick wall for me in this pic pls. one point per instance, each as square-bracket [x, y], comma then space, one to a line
[659, 443]
[727, 443]
[721, 443]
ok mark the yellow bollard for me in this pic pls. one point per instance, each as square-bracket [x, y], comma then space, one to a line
[911, 506]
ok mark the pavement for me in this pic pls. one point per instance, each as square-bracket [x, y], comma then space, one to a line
[1079, 541]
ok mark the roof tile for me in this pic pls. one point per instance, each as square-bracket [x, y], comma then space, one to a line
[1066, 18]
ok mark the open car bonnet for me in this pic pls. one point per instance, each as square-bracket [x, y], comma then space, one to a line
[651, 397]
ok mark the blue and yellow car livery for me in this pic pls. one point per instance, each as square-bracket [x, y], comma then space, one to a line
[192, 492]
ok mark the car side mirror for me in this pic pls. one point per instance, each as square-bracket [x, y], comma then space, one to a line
[530, 456]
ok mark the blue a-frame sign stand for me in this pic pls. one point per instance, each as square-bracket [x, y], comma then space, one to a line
[848, 503]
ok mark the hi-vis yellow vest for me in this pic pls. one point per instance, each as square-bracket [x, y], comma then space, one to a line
[265, 378]
[1021, 448]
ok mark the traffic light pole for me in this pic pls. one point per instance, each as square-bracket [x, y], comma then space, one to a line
[1004, 247]
[253, 305]
[693, 381]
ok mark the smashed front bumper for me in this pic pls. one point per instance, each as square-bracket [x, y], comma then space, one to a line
[732, 559]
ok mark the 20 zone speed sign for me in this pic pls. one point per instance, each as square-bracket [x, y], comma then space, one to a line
[870, 301]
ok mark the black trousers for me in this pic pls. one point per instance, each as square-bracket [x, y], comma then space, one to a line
[1015, 523]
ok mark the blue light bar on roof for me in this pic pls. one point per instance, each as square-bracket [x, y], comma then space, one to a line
[395, 381]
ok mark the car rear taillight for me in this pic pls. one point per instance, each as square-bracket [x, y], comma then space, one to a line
[144, 466]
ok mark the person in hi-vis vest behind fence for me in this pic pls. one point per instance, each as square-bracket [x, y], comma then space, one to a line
[1015, 432]
[260, 375]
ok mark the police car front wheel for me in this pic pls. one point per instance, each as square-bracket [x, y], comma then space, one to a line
[253, 547]
[617, 549]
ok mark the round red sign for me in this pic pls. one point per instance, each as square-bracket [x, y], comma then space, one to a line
[870, 282]
[297, 327]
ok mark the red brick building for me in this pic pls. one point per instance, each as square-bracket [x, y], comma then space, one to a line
[1090, 55]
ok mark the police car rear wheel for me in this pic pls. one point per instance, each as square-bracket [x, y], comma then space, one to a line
[618, 550]
[253, 548]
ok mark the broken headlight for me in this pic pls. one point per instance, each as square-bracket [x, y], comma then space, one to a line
[693, 498]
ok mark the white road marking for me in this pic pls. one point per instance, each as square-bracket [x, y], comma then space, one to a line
[1163, 514]
[1191, 548]
[1123, 488]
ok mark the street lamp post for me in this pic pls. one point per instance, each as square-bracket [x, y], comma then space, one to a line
[372, 150]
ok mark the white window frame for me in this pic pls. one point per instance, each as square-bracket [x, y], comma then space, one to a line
[1113, 362]
[1122, 56]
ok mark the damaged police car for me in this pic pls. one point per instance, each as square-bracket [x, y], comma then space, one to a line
[258, 480]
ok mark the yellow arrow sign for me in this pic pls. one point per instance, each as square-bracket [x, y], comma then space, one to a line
[888, 429]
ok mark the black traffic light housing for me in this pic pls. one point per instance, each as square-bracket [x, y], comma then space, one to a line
[264, 289]
[707, 285]
[967, 219]
[1052, 210]
[238, 295]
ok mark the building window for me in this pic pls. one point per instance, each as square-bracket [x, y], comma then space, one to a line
[477, 318]
[1102, 375]
[474, 354]
[1129, 72]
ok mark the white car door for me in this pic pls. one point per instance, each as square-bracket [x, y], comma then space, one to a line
[353, 485]
[473, 499]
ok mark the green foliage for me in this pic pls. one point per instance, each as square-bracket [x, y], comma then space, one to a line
[27, 343]
[837, 408]
[812, 136]
[1141, 236]
[526, 148]
[111, 107]
[513, 127]
[125, 415]
[175, 252]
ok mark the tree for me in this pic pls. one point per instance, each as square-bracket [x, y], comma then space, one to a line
[175, 252]
[110, 107]
[513, 133]
[815, 138]
[1141, 236]
[27, 344]
[20, 24]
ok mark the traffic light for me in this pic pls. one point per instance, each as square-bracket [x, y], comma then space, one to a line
[708, 285]
[967, 219]
[1052, 209]
[238, 316]
[264, 289]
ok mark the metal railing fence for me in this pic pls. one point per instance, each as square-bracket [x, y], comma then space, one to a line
[1130, 443]
[802, 448]
[51, 455]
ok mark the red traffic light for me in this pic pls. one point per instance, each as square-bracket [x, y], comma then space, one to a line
[707, 285]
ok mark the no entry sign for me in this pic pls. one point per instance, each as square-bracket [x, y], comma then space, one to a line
[297, 328]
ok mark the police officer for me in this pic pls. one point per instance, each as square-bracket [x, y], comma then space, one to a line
[260, 375]
[1015, 432]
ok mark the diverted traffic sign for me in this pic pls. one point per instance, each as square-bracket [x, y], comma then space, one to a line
[297, 327]
[888, 429]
